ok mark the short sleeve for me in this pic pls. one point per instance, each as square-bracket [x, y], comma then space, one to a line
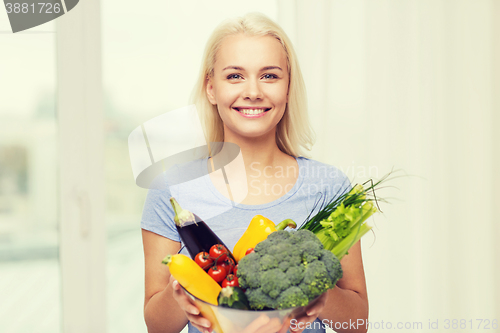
[323, 181]
[158, 215]
[339, 183]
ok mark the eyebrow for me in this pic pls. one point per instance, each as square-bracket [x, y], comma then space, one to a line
[262, 69]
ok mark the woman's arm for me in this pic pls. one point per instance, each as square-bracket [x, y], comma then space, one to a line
[347, 303]
[164, 310]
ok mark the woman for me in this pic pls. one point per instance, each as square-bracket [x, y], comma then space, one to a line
[250, 93]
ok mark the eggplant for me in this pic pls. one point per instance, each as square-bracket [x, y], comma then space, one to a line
[194, 232]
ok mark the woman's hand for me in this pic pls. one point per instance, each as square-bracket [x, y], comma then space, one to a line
[310, 314]
[264, 324]
[188, 306]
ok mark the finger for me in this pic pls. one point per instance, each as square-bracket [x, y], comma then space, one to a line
[301, 324]
[306, 319]
[289, 327]
[286, 325]
[296, 330]
[201, 323]
[175, 284]
[203, 329]
[256, 324]
[314, 312]
[193, 314]
[317, 306]
[264, 324]
[188, 306]
[270, 327]
[184, 301]
[190, 309]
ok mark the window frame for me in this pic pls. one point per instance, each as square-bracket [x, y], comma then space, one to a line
[81, 169]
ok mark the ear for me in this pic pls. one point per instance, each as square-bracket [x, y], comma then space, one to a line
[210, 91]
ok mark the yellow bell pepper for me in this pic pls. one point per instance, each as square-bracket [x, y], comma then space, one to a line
[258, 230]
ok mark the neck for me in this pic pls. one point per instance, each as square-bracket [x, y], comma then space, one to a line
[250, 163]
[258, 152]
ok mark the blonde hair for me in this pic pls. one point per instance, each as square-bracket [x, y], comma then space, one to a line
[294, 134]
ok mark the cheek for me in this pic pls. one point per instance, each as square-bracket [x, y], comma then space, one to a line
[279, 97]
[228, 95]
[281, 94]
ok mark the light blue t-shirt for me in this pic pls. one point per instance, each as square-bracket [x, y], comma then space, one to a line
[316, 183]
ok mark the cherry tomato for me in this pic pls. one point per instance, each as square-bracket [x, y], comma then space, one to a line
[235, 270]
[228, 264]
[250, 250]
[217, 273]
[203, 260]
[218, 253]
[230, 281]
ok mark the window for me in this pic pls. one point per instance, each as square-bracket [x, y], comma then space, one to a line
[30, 284]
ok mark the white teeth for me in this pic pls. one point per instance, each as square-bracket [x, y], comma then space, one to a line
[252, 111]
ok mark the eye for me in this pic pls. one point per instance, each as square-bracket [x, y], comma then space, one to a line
[270, 76]
[233, 76]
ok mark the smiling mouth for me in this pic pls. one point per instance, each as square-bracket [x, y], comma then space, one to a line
[255, 111]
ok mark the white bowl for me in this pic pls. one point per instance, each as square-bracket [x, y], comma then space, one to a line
[227, 320]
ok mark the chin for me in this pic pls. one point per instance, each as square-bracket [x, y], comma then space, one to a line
[250, 132]
[253, 134]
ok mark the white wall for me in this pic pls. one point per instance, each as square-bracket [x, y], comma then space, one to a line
[410, 85]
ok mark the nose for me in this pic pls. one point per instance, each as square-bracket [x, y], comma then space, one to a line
[252, 90]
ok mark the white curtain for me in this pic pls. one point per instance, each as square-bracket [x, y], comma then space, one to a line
[413, 85]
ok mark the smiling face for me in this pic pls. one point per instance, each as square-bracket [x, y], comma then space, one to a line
[249, 85]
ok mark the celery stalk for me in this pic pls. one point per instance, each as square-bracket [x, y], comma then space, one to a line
[344, 245]
[341, 222]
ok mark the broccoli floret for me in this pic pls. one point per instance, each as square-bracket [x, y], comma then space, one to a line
[292, 297]
[278, 236]
[281, 251]
[310, 250]
[267, 262]
[262, 248]
[249, 281]
[286, 255]
[301, 236]
[295, 274]
[316, 280]
[284, 265]
[332, 265]
[287, 269]
[273, 282]
[259, 300]
[248, 271]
